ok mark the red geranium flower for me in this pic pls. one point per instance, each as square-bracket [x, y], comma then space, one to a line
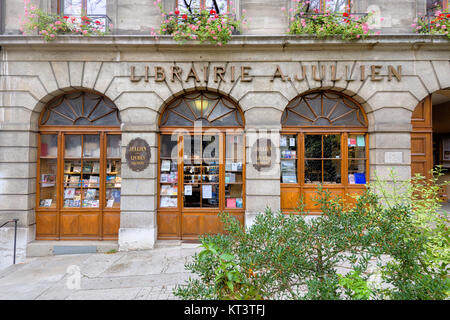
[184, 16]
[66, 17]
[97, 22]
[177, 12]
[448, 16]
[212, 12]
[345, 14]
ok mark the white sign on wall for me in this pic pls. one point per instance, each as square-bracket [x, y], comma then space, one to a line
[393, 157]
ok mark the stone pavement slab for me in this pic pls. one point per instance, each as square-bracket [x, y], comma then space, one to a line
[150, 274]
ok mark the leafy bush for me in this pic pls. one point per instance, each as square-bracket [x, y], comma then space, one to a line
[293, 256]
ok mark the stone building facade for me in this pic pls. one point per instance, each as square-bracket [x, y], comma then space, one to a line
[401, 69]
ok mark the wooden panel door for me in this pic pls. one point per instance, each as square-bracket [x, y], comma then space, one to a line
[422, 139]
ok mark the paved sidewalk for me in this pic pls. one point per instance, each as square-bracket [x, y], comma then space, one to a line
[137, 275]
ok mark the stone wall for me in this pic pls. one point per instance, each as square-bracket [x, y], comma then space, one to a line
[33, 72]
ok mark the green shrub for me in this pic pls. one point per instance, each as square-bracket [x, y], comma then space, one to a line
[292, 256]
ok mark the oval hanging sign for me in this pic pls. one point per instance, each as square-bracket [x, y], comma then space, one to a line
[138, 154]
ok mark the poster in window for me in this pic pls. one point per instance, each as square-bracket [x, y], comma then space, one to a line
[207, 191]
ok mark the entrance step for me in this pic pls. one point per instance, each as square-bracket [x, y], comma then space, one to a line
[167, 243]
[49, 248]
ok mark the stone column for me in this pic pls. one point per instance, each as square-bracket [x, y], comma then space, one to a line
[262, 188]
[390, 143]
[138, 229]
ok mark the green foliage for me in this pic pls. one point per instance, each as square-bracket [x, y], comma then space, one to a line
[293, 256]
[329, 23]
[356, 287]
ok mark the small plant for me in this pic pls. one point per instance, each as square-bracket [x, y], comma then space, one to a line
[202, 25]
[439, 23]
[328, 23]
[50, 25]
[112, 251]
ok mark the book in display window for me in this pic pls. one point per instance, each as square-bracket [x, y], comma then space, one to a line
[288, 161]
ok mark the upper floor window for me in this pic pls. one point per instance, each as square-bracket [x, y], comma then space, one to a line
[188, 6]
[324, 5]
[78, 7]
[434, 5]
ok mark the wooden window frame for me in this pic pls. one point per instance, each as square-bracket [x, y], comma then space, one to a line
[344, 131]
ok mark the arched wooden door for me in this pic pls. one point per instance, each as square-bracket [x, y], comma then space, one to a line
[201, 165]
[422, 139]
[79, 168]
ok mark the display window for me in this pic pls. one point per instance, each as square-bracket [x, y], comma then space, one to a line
[79, 168]
[323, 142]
[201, 165]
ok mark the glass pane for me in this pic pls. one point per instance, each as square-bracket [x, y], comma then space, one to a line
[192, 149]
[113, 146]
[331, 171]
[96, 7]
[288, 171]
[210, 147]
[233, 196]
[112, 198]
[169, 149]
[113, 183]
[313, 146]
[73, 7]
[192, 195]
[313, 171]
[356, 146]
[336, 5]
[332, 146]
[222, 4]
[91, 146]
[357, 171]
[48, 183]
[73, 146]
[195, 4]
[49, 145]
[234, 147]
[288, 150]
[210, 195]
[72, 197]
[90, 198]
[192, 174]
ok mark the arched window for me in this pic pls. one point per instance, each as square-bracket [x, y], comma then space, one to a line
[79, 168]
[323, 141]
[211, 110]
[201, 164]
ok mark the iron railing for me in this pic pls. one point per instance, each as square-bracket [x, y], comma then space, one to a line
[310, 15]
[15, 235]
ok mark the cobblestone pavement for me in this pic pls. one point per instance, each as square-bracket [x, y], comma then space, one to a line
[136, 275]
